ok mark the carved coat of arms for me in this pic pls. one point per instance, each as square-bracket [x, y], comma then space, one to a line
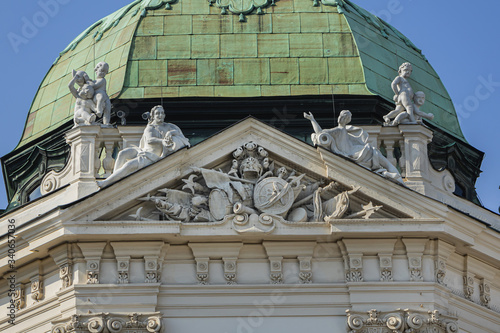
[254, 194]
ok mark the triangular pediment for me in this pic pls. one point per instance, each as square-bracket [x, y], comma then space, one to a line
[252, 177]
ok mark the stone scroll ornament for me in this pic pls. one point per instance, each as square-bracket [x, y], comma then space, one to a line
[242, 7]
[254, 195]
[159, 140]
[92, 100]
[400, 321]
[110, 322]
[352, 142]
[407, 102]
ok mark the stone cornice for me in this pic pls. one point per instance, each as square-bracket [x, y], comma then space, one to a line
[480, 243]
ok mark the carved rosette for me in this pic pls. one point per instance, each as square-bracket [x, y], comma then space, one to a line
[109, 322]
[65, 274]
[123, 265]
[469, 286]
[276, 268]
[202, 270]
[355, 270]
[385, 268]
[152, 270]
[305, 273]
[484, 293]
[230, 270]
[19, 297]
[415, 267]
[93, 271]
[36, 288]
[400, 321]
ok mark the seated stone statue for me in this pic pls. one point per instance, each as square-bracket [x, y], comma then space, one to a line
[352, 142]
[159, 140]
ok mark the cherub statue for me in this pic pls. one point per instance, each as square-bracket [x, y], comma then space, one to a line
[352, 142]
[84, 113]
[403, 117]
[159, 140]
[81, 78]
[403, 94]
[101, 98]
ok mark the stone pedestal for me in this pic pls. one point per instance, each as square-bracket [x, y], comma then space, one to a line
[92, 157]
[417, 165]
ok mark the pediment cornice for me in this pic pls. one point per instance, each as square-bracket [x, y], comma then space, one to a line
[108, 213]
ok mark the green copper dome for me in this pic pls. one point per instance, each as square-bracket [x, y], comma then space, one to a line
[184, 48]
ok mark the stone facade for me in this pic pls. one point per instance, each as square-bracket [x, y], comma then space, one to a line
[109, 261]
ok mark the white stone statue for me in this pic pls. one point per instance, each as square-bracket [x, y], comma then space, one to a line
[101, 98]
[403, 92]
[85, 107]
[254, 195]
[159, 140]
[181, 206]
[352, 142]
[408, 103]
[402, 117]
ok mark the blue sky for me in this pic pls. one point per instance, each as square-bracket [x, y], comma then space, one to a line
[459, 38]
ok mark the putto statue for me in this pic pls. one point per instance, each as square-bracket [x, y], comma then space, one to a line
[408, 103]
[159, 140]
[92, 100]
[84, 105]
[101, 98]
[352, 142]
